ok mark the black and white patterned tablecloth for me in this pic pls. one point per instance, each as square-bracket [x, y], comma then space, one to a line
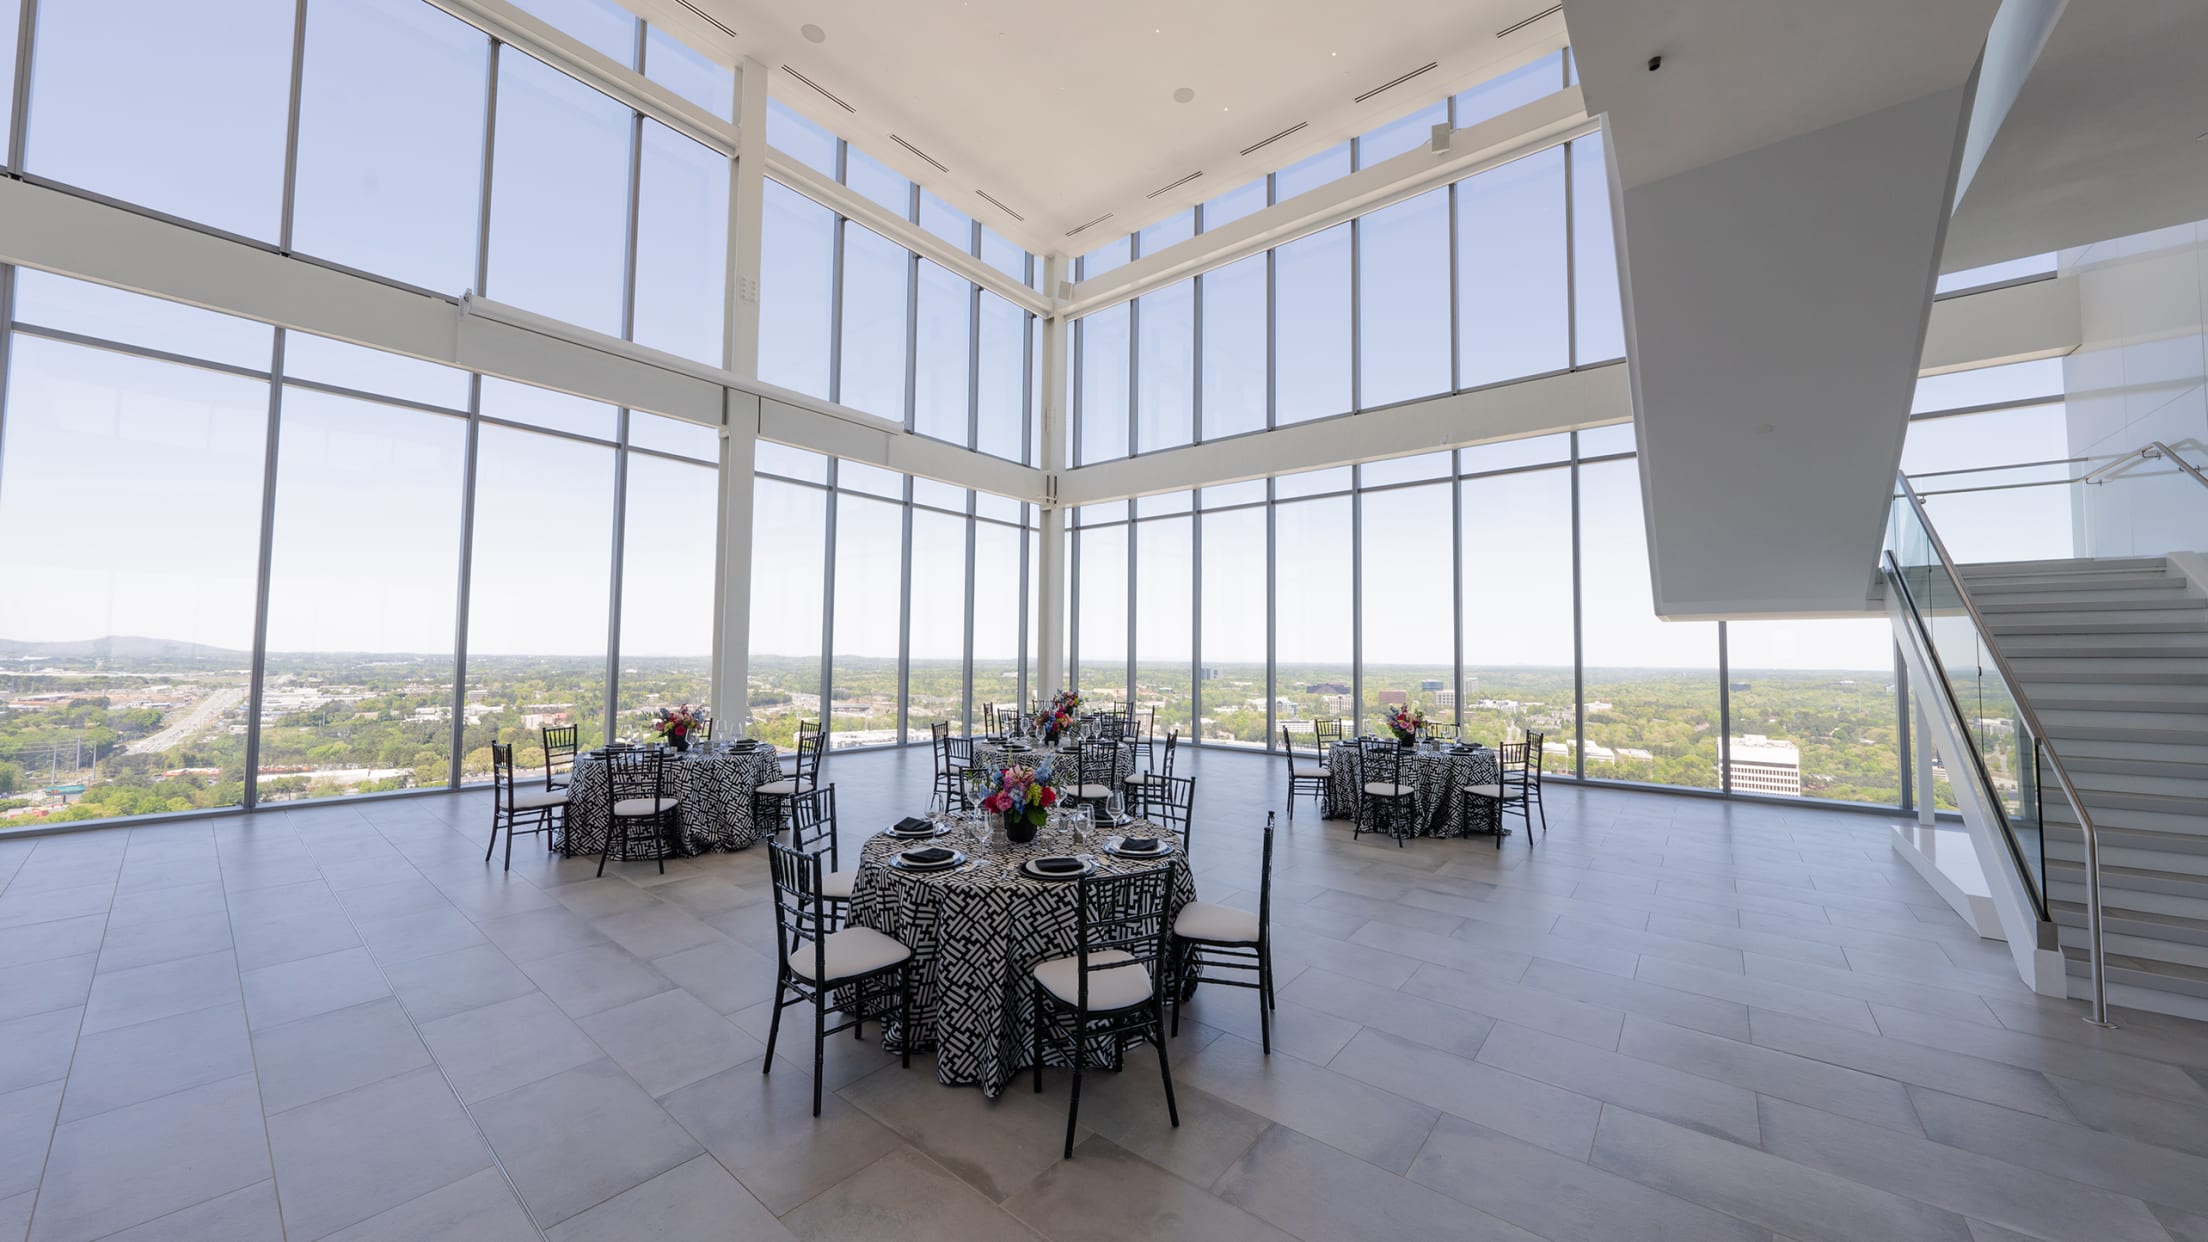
[976, 934]
[1438, 776]
[716, 789]
[1065, 764]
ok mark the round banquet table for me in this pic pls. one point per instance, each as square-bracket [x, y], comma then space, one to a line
[976, 932]
[715, 788]
[1439, 776]
[989, 755]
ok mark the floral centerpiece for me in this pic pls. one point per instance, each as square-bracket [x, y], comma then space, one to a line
[674, 725]
[1064, 709]
[1023, 796]
[1405, 723]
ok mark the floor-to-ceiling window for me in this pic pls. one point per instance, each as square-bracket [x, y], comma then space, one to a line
[1407, 590]
[789, 565]
[1164, 610]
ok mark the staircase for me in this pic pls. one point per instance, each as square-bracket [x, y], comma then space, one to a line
[2114, 655]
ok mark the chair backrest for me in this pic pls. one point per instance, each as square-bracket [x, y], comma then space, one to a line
[1146, 723]
[1173, 799]
[1513, 759]
[1288, 743]
[1379, 761]
[1111, 726]
[800, 916]
[1534, 754]
[958, 752]
[559, 751]
[808, 756]
[502, 776]
[1265, 885]
[1096, 763]
[939, 737]
[988, 718]
[1442, 732]
[1326, 731]
[704, 731]
[634, 772]
[813, 822]
[1165, 765]
[1127, 913]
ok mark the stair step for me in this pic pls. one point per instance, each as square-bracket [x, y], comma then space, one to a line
[2110, 564]
[2073, 748]
[2134, 580]
[2135, 883]
[2162, 976]
[2186, 825]
[2155, 621]
[2130, 725]
[2116, 670]
[2140, 924]
[2093, 784]
[2111, 599]
[2115, 767]
[2187, 646]
[2137, 697]
[2069, 885]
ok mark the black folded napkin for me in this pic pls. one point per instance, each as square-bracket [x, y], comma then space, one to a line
[1057, 866]
[1140, 845]
[911, 827]
[931, 854]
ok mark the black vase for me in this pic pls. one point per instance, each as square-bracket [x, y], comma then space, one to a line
[1016, 828]
[678, 742]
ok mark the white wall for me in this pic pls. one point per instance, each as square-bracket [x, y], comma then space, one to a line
[2141, 374]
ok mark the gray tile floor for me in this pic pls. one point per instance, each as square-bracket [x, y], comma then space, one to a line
[1672, 1018]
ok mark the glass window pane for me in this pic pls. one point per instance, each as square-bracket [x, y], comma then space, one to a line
[174, 456]
[1600, 441]
[1250, 491]
[602, 25]
[997, 601]
[772, 458]
[789, 567]
[939, 397]
[1234, 204]
[1100, 347]
[675, 435]
[1101, 639]
[541, 407]
[1409, 605]
[1403, 301]
[559, 196]
[1166, 368]
[938, 495]
[2011, 384]
[1098, 514]
[534, 658]
[936, 685]
[1331, 164]
[1410, 133]
[171, 106]
[689, 73]
[360, 614]
[1311, 327]
[1651, 686]
[1104, 258]
[1235, 370]
[1507, 454]
[1813, 709]
[946, 222]
[1311, 610]
[391, 165]
[134, 319]
[1514, 89]
[1166, 232]
[1232, 678]
[1598, 325]
[1518, 611]
[667, 551]
[1164, 617]
[870, 540]
[1311, 483]
[990, 505]
[1003, 255]
[323, 360]
[796, 291]
[1163, 504]
[878, 181]
[2014, 524]
[1001, 401]
[1513, 297]
[682, 247]
[876, 275]
[799, 138]
[11, 12]
[860, 477]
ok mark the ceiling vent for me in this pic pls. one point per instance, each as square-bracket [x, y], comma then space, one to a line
[1090, 225]
[1174, 185]
[1266, 142]
[824, 91]
[1428, 67]
[710, 20]
[933, 162]
[1515, 27]
[991, 199]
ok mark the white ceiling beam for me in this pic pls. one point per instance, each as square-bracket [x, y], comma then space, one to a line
[1520, 132]
[2011, 323]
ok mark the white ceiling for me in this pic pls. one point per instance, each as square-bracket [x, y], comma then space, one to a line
[1065, 112]
[2103, 140]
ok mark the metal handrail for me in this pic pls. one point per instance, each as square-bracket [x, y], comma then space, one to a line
[2097, 952]
[2152, 451]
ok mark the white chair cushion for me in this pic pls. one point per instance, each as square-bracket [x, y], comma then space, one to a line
[783, 786]
[1484, 791]
[1381, 789]
[1140, 778]
[533, 799]
[561, 780]
[1310, 771]
[836, 885]
[852, 951]
[643, 806]
[1202, 920]
[1108, 989]
[1091, 791]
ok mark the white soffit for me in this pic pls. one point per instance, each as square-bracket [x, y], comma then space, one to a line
[1065, 113]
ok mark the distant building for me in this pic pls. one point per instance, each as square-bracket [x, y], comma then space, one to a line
[1335, 704]
[1207, 674]
[1761, 765]
[1394, 698]
[1431, 683]
[1445, 700]
[1326, 687]
[1739, 687]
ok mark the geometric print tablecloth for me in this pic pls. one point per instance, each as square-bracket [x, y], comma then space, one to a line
[975, 935]
[1437, 776]
[715, 811]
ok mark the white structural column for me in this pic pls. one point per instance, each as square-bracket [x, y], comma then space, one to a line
[1051, 456]
[740, 428]
[747, 207]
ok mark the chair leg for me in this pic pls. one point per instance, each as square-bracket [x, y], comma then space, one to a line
[820, 1044]
[1265, 976]
[774, 1028]
[1165, 1071]
[613, 827]
[1073, 1104]
[1264, 1015]
[904, 1010]
[1038, 1045]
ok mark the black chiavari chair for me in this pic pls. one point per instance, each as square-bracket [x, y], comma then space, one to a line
[639, 800]
[816, 960]
[511, 808]
[1386, 801]
[1209, 939]
[1112, 987]
[1307, 771]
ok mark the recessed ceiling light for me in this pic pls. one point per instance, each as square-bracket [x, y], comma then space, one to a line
[812, 33]
[1183, 95]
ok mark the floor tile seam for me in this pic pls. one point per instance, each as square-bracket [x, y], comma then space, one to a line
[6, 926]
[148, 1022]
[1906, 1083]
[53, 1131]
